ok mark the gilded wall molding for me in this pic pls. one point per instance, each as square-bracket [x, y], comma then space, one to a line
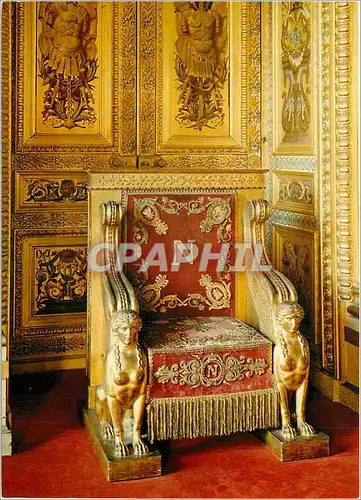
[196, 162]
[181, 181]
[50, 220]
[343, 149]
[88, 162]
[147, 77]
[6, 120]
[295, 163]
[294, 220]
[126, 37]
[328, 311]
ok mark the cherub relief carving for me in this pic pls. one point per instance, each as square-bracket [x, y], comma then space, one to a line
[200, 64]
[68, 62]
[124, 383]
[292, 367]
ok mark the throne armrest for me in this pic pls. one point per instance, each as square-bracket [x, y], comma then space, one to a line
[268, 288]
[118, 293]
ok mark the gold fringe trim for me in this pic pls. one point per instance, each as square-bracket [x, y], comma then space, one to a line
[191, 417]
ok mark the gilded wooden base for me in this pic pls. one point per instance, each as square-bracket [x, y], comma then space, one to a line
[299, 448]
[116, 468]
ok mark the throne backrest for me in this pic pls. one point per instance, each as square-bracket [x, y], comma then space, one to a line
[174, 232]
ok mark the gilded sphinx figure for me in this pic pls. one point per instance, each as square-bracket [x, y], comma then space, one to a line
[200, 64]
[124, 383]
[291, 368]
[68, 62]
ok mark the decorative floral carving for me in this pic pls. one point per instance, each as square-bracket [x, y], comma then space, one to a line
[296, 191]
[68, 62]
[60, 280]
[211, 370]
[296, 36]
[200, 64]
[55, 191]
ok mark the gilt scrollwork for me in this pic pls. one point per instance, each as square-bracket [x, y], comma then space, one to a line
[296, 191]
[200, 63]
[296, 51]
[55, 191]
[147, 213]
[68, 63]
[218, 294]
[211, 370]
[60, 278]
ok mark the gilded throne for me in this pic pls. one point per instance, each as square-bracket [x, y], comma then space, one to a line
[181, 268]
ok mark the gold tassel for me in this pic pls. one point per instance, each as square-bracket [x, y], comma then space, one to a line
[190, 417]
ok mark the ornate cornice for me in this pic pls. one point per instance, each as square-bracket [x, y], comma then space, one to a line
[343, 149]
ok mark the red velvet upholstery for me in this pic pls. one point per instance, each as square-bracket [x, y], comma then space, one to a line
[168, 217]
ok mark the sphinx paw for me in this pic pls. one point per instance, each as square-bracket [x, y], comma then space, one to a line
[305, 429]
[106, 430]
[288, 432]
[139, 447]
[120, 448]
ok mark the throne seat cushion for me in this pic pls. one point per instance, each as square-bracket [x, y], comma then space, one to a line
[208, 365]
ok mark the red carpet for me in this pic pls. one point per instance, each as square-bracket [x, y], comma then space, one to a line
[53, 457]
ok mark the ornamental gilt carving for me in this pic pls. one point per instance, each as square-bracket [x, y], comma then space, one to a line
[211, 370]
[60, 278]
[295, 41]
[200, 64]
[296, 191]
[55, 191]
[68, 63]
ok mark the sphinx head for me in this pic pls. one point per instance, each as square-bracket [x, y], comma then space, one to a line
[289, 316]
[125, 327]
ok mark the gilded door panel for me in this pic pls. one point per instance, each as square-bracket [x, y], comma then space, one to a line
[295, 91]
[76, 77]
[199, 81]
[50, 293]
